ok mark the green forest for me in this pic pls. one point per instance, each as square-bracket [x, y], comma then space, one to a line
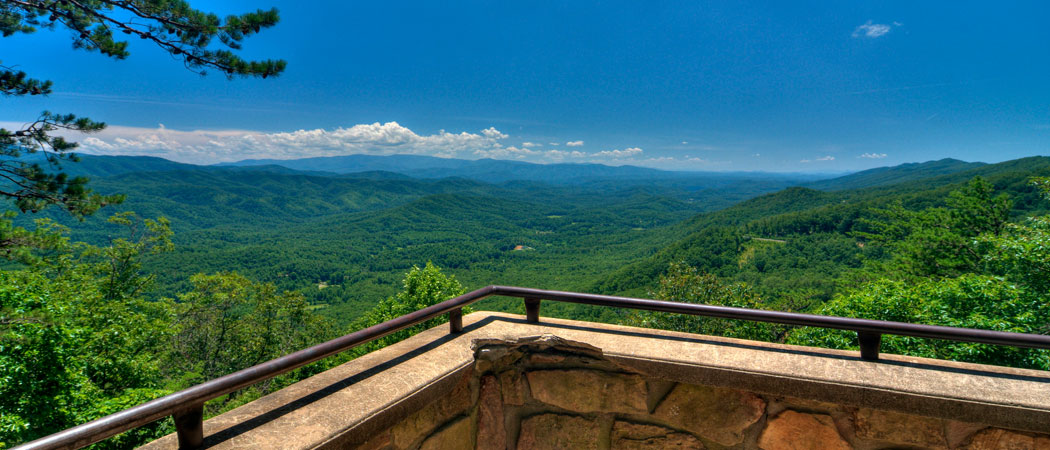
[202, 271]
[127, 278]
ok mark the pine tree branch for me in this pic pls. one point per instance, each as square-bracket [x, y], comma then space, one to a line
[172, 25]
[194, 54]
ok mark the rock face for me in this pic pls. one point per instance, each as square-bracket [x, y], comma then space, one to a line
[492, 434]
[557, 432]
[633, 436]
[589, 390]
[792, 430]
[714, 413]
[457, 435]
[549, 393]
[421, 423]
[999, 439]
[899, 429]
[513, 388]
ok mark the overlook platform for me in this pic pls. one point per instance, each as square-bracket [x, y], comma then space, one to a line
[505, 382]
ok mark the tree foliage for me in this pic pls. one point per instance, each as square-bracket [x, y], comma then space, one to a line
[422, 287]
[188, 34]
[996, 280]
[969, 301]
[960, 262]
[687, 284]
[69, 353]
[81, 338]
[227, 323]
[33, 187]
[344, 242]
[940, 241]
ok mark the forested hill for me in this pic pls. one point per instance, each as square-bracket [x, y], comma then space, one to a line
[104, 165]
[361, 163]
[500, 171]
[197, 199]
[345, 240]
[885, 176]
[489, 170]
[798, 241]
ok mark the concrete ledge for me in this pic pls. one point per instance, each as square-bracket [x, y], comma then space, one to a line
[353, 403]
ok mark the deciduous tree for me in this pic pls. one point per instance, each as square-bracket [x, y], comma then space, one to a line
[687, 284]
[423, 287]
[1000, 283]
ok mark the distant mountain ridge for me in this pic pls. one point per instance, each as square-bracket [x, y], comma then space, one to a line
[494, 170]
[359, 163]
[884, 176]
[404, 167]
[489, 170]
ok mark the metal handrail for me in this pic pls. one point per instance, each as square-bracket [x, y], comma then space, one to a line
[186, 406]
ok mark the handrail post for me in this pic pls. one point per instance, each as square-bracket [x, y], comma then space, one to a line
[869, 345]
[532, 309]
[189, 425]
[455, 320]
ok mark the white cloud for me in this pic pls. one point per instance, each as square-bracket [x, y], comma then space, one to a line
[490, 132]
[619, 154]
[511, 152]
[625, 156]
[561, 155]
[615, 157]
[528, 154]
[663, 162]
[574, 144]
[873, 155]
[872, 30]
[206, 146]
[212, 146]
[685, 142]
[822, 158]
[628, 156]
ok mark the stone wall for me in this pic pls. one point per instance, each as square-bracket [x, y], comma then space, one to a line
[546, 393]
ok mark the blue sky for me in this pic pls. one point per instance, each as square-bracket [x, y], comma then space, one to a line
[773, 86]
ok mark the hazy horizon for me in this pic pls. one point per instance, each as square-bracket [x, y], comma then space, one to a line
[276, 161]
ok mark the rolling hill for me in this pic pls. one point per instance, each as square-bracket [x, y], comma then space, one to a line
[884, 176]
[816, 226]
[345, 239]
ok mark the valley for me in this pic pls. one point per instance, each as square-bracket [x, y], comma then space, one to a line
[345, 239]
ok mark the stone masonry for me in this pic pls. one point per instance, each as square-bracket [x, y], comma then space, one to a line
[548, 393]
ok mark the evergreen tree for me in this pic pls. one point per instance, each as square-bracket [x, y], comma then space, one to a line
[174, 26]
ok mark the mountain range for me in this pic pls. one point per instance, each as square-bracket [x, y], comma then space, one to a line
[343, 230]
